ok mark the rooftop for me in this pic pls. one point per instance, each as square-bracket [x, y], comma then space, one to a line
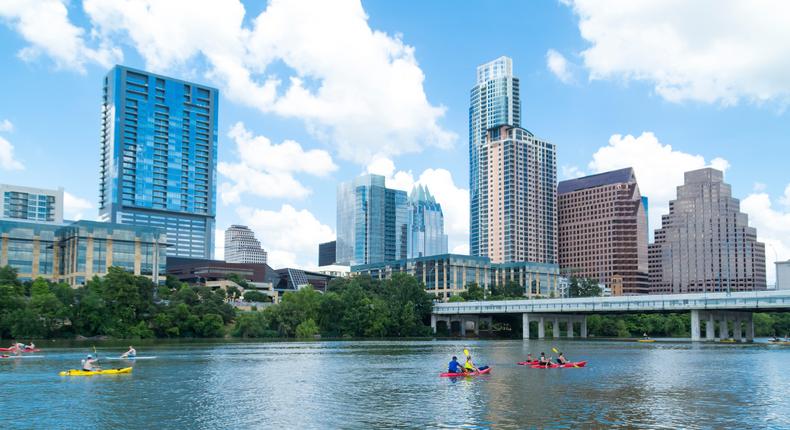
[594, 181]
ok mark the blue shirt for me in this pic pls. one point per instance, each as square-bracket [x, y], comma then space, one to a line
[454, 367]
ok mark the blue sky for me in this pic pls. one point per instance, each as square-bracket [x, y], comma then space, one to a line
[383, 86]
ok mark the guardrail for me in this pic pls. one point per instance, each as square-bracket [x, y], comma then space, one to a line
[751, 300]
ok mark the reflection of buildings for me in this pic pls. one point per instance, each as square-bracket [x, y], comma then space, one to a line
[449, 274]
[74, 253]
[31, 204]
[705, 243]
[241, 246]
[603, 230]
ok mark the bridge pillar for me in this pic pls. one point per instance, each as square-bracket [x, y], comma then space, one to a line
[555, 329]
[710, 328]
[525, 326]
[463, 326]
[695, 332]
[541, 328]
[736, 329]
[724, 331]
[433, 323]
[583, 331]
[750, 328]
[570, 327]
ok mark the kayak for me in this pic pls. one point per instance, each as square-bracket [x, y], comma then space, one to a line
[77, 372]
[19, 356]
[528, 363]
[131, 358]
[781, 342]
[646, 340]
[566, 365]
[483, 371]
[24, 350]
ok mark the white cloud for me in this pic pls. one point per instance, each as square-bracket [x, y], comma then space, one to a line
[45, 25]
[659, 168]
[289, 236]
[7, 160]
[219, 244]
[559, 66]
[773, 227]
[74, 207]
[708, 51]
[265, 169]
[359, 88]
[6, 125]
[570, 172]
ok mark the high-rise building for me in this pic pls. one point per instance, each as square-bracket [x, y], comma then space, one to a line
[372, 222]
[512, 174]
[705, 243]
[31, 204]
[241, 246]
[426, 225]
[159, 157]
[326, 253]
[493, 101]
[603, 230]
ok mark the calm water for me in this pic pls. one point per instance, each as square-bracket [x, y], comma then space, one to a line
[396, 385]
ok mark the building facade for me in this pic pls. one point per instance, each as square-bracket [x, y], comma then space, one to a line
[241, 246]
[603, 231]
[449, 274]
[426, 225]
[372, 222]
[158, 159]
[326, 253]
[494, 100]
[705, 243]
[31, 204]
[76, 252]
[782, 275]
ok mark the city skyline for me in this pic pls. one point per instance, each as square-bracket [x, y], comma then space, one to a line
[596, 121]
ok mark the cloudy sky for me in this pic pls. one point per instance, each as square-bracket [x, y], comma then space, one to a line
[316, 92]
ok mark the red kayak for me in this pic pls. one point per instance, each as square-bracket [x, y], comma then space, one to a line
[24, 350]
[528, 363]
[555, 365]
[458, 375]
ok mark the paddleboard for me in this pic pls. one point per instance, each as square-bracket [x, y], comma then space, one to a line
[130, 358]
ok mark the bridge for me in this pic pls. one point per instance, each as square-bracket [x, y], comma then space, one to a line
[732, 312]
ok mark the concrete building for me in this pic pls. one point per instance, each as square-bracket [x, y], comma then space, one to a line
[705, 243]
[241, 246]
[158, 163]
[327, 253]
[31, 204]
[782, 275]
[426, 225]
[372, 222]
[603, 231]
[76, 252]
[449, 274]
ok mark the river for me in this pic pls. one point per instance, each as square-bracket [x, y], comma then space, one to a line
[395, 384]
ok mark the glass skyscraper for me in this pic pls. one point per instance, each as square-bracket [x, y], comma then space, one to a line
[426, 225]
[159, 157]
[372, 222]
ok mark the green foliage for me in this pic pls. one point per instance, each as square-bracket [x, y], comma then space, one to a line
[238, 279]
[306, 329]
[455, 299]
[256, 296]
[254, 325]
[473, 292]
[584, 287]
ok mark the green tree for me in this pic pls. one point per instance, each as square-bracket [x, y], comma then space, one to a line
[473, 292]
[306, 329]
[256, 296]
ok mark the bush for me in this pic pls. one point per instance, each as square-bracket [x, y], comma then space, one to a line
[306, 329]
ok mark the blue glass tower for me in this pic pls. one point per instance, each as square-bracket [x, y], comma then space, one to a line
[426, 225]
[158, 159]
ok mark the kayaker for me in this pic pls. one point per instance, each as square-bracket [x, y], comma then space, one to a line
[30, 346]
[469, 366]
[89, 364]
[561, 359]
[131, 353]
[543, 361]
[644, 336]
[454, 366]
[529, 358]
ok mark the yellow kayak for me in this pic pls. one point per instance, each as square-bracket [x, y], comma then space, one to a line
[646, 340]
[75, 372]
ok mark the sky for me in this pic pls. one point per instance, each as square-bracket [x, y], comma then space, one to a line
[313, 93]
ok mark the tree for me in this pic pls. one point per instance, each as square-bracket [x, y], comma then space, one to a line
[256, 296]
[584, 287]
[239, 280]
[473, 292]
[306, 329]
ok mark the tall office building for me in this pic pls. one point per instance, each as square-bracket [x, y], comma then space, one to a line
[426, 225]
[241, 246]
[31, 204]
[603, 230]
[493, 101]
[159, 157]
[705, 243]
[326, 253]
[512, 174]
[372, 222]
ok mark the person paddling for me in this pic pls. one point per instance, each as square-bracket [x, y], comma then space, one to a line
[31, 346]
[529, 358]
[131, 353]
[561, 359]
[89, 364]
[454, 366]
[543, 361]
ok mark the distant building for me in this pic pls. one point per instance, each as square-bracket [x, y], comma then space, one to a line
[372, 222]
[31, 204]
[241, 246]
[326, 253]
[76, 252]
[158, 162]
[705, 243]
[783, 275]
[603, 230]
[202, 271]
[426, 225]
[291, 279]
[449, 274]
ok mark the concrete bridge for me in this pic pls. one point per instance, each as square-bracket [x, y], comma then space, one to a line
[732, 311]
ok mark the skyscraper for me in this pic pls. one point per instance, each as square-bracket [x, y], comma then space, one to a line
[603, 230]
[513, 175]
[159, 157]
[493, 101]
[241, 246]
[372, 222]
[426, 225]
[31, 204]
[705, 243]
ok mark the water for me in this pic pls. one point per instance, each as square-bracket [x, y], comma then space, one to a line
[395, 384]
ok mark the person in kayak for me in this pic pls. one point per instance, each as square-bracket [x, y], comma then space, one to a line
[543, 361]
[469, 366]
[561, 359]
[31, 346]
[454, 366]
[89, 364]
[529, 358]
[131, 353]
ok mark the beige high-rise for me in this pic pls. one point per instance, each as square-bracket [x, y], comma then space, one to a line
[705, 243]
